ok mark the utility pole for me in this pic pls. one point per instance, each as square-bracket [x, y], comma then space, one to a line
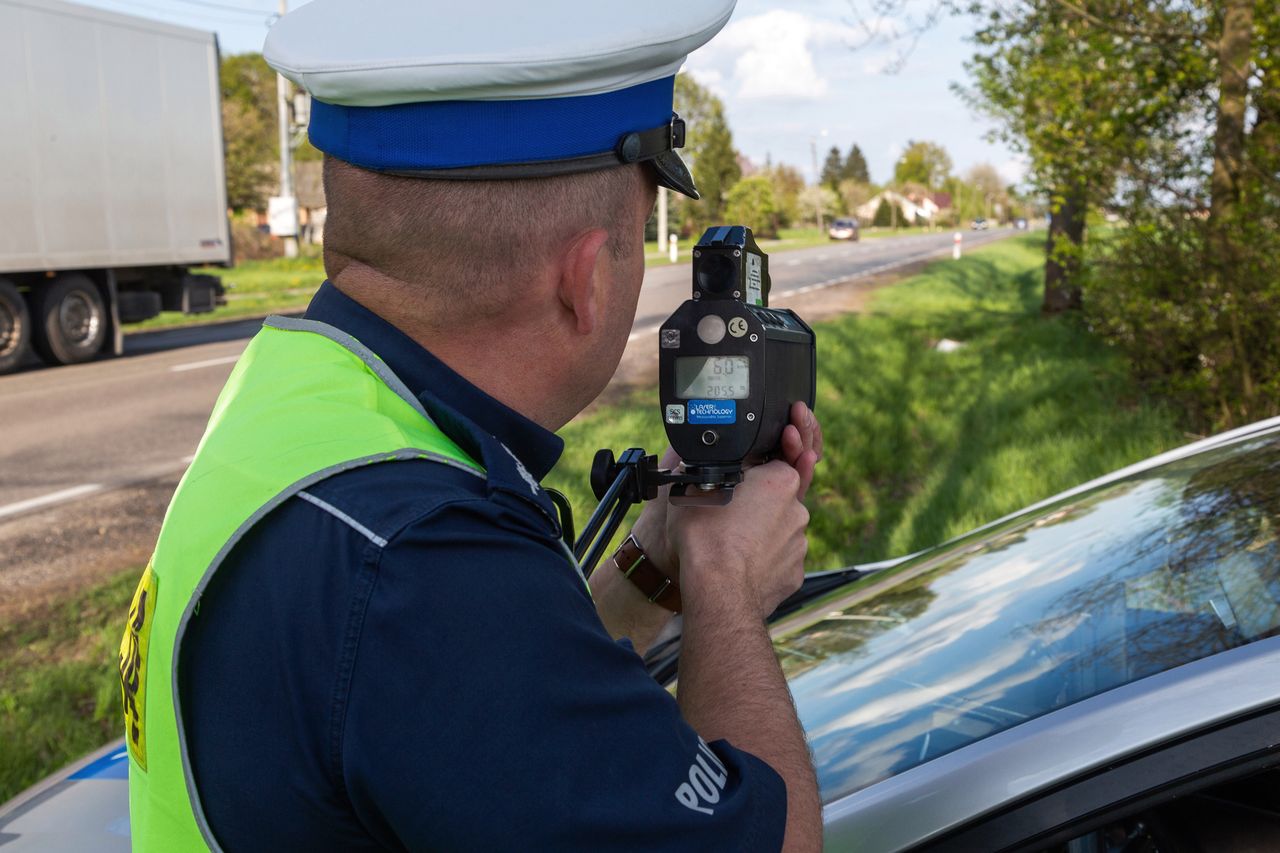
[662, 218]
[817, 182]
[284, 218]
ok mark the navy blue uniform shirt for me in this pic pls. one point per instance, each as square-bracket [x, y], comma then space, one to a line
[403, 656]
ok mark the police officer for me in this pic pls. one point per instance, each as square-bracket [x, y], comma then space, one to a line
[360, 628]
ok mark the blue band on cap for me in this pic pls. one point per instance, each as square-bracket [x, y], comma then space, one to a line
[457, 134]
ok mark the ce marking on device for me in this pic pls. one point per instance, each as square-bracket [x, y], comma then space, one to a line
[738, 327]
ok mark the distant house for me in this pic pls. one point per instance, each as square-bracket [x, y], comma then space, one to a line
[912, 208]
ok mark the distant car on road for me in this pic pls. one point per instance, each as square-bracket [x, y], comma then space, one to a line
[844, 229]
[1020, 224]
[979, 224]
[1094, 673]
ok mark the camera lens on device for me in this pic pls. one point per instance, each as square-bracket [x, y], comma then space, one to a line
[710, 437]
[717, 274]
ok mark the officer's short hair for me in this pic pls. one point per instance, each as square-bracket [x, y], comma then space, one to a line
[472, 240]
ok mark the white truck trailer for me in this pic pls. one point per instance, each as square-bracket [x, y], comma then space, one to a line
[112, 180]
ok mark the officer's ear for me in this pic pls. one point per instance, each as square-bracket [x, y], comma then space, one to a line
[582, 271]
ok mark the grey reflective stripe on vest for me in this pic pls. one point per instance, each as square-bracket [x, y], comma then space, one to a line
[384, 373]
[325, 506]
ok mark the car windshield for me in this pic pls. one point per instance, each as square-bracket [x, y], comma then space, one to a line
[844, 223]
[1122, 582]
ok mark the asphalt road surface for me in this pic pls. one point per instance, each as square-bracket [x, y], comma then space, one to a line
[108, 440]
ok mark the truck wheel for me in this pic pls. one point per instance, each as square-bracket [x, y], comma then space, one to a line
[71, 320]
[15, 327]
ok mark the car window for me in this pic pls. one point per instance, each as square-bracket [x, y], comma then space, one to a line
[1120, 583]
[1238, 816]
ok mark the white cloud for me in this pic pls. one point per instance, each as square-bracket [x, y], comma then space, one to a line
[773, 55]
[1014, 169]
[711, 79]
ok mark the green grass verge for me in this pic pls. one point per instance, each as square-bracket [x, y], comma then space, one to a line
[59, 693]
[923, 445]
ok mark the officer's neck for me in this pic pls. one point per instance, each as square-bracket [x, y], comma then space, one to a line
[511, 359]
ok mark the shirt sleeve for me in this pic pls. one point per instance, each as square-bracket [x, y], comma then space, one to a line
[488, 709]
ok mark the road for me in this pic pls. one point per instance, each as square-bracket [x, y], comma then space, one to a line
[118, 433]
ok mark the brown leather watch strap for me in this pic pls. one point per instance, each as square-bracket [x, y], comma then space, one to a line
[636, 567]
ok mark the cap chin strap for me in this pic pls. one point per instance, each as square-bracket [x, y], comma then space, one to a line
[634, 147]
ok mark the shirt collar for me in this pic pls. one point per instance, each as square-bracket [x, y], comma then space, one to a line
[470, 416]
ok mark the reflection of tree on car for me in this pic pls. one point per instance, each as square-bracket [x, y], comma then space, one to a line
[1034, 615]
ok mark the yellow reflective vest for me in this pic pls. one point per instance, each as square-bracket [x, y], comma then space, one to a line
[306, 401]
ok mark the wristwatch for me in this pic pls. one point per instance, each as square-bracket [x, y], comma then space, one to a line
[636, 567]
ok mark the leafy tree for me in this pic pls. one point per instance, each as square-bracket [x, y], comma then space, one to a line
[1193, 300]
[833, 170]
[787, 183]
[250, 124]
[818, 202]
[751, 202]
[854, 193]
[926, 163]
[1084, 89]
[989, 190]
[709, 149]
[855, 167]
[1170, 114]
[249, 129]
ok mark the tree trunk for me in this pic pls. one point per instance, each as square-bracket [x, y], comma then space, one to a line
[1234, 60]
[1063, 251]
[1235, 55]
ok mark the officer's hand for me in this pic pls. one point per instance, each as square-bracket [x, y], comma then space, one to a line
[747, 554]
[801, 444]
[651, 527]
[801, 448]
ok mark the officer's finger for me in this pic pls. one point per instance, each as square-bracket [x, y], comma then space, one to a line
[804, 466]
[792, 444]
[806, 424]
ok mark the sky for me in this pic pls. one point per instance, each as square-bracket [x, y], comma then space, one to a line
[794, 76]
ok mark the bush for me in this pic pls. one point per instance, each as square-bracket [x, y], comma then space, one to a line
[884, 215]
[249, 243]
[751, 202]
[1198, 328]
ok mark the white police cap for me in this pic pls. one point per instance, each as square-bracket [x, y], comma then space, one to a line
[482, 91]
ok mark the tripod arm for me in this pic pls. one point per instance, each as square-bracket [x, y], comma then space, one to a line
[621, 483]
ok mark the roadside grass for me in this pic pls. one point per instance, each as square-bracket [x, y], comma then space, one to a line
[923, 445]
[59, 693]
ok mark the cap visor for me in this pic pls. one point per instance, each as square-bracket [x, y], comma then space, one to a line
[674, 174]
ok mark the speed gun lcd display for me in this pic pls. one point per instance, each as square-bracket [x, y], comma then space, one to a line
[713, 377]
